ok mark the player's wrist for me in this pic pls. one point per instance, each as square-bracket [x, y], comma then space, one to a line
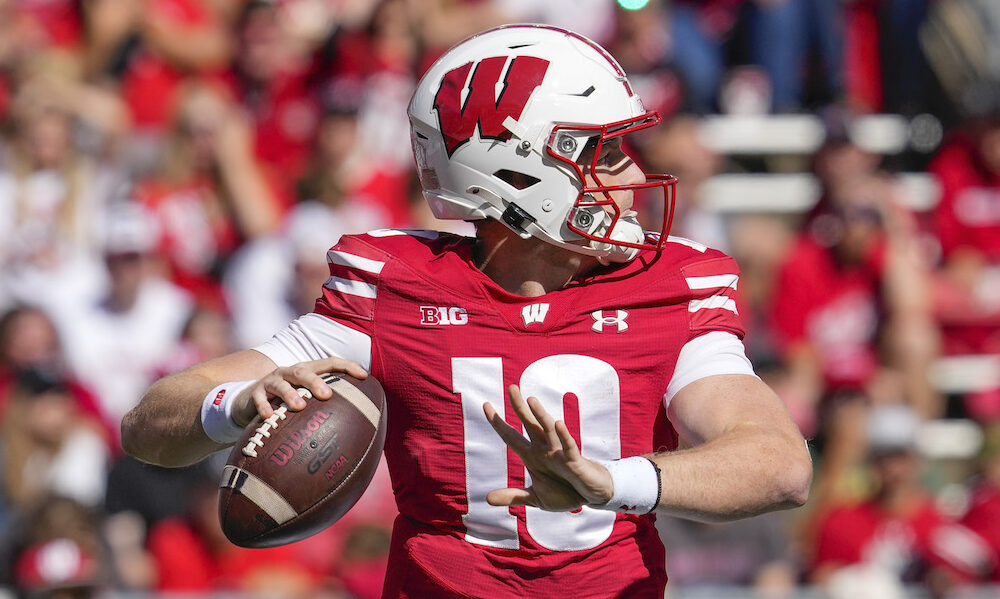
[217, 418]
[636, 482]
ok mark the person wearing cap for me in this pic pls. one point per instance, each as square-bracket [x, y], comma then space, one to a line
[115, 339]
[896, 528]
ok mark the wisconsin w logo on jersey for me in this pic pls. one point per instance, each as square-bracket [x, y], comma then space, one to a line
[484, 104]
[534, 313]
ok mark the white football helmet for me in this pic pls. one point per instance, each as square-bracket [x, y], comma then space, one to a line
[499, 122]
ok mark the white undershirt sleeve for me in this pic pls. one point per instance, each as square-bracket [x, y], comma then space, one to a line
[314, 337]
[710, 354]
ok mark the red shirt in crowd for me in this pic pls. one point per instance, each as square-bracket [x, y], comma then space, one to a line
[865, 533]
[151, 81]
[968, 213]
[983, 518]
[833, 307]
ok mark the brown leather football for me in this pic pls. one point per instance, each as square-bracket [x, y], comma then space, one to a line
[295, 473]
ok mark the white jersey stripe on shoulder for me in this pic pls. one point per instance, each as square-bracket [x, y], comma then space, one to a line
[684, 241]
[358, 288]
[711, 282]
[425, 233]
[716, 301]
[354, 261]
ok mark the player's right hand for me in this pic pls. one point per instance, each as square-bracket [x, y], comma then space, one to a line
[281, 385]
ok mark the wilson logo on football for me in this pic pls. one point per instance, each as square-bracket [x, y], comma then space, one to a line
[442, 315]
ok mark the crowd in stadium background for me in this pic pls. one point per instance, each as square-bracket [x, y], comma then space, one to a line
[172, 173]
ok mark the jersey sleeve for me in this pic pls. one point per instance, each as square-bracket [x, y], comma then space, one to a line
[711, 285]
[342, 321]
[349, 295]
[714, 353]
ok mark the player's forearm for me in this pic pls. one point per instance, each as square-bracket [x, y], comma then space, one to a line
[165, 428]
[748, 471]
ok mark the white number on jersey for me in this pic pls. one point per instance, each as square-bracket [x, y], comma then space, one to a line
[596, 386]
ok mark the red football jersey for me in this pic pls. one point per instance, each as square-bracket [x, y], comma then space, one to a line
[598, 354]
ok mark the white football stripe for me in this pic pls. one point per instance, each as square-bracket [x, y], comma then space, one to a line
[354, 261]
[712, 281]
[359, 400]
[716, 301]
[259, 492]
[358, 288]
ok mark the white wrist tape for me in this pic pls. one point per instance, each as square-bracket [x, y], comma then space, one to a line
[217, 412]
[637, 485]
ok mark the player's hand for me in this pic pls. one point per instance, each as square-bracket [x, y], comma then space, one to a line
[561, 478]
[280, 385]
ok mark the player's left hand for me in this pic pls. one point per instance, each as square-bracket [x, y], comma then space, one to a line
[561, 478]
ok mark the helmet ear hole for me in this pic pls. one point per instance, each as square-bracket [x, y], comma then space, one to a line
[515, 179]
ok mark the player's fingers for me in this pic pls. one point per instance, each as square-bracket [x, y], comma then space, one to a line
[512, 437]
[501, 497]
[337, 365]
[305, 375]
[520, 406]
[257, 404]
[568, 443]
[283, 390]
[546, 422]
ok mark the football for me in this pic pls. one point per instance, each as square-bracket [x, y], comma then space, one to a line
[295, 473]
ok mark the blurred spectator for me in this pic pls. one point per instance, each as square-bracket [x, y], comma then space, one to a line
[29, 342]
[271, 78]
[755, 552]
[207, 334]
[641, 44]
[48, 447]
[192, 555]
[115, 340]
[896, 528]
[57, 552]
[210, 194]
[967, 225]
[178, 38]
[333, 202]
[699, 32]
[983, 515]
[850, 304]
[363, 139]
[51, 190]
[795, 39]
[58, 569]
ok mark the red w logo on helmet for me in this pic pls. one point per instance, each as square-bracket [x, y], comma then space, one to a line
[482, 105]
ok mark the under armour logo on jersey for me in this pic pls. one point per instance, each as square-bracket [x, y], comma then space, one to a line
[534, 313]
[443, 315]
[604, 318]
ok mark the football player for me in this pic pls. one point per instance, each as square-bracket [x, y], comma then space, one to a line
[561, 331]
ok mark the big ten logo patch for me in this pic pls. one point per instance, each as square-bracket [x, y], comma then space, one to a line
[443, 315]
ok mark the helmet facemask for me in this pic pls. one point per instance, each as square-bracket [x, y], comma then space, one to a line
[614, 235]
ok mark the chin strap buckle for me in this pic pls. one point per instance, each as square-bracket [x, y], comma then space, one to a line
[516, 218]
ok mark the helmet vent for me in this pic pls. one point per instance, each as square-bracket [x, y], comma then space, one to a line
[515, 179]
[516, 46]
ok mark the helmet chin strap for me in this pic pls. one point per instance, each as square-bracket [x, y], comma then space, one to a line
[626, 229]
